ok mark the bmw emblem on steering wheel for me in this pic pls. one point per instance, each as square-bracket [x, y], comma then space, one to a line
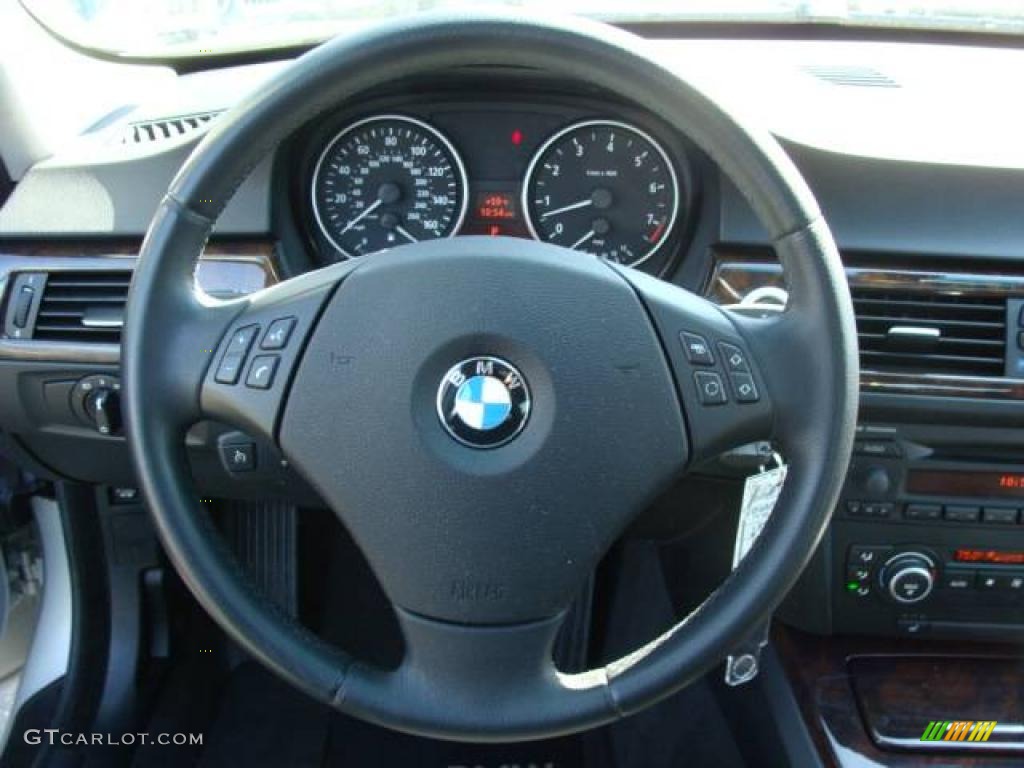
[483, 401]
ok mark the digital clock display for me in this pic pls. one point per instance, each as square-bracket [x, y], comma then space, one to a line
[496, 206]
[934, 482]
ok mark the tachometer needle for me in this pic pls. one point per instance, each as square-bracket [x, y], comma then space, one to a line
[582, 240]
[404, 233]
[366, 212]
[565, 208]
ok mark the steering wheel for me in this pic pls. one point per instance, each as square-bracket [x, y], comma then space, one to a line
[486, 415]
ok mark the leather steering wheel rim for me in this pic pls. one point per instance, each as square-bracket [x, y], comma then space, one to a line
[455, 685]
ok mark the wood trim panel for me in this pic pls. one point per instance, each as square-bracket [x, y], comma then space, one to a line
[841, 684]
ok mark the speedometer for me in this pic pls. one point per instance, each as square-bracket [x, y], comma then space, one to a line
[602, 187]
[385, 181]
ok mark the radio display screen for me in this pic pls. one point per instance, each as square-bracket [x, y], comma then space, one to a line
[935, 482]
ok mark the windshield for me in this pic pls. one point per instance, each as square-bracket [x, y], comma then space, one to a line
[198, 27]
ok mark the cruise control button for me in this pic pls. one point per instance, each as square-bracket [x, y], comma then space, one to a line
[734, 358]
[242, 339]
[744, 388]
[710, 388]
[278, 333]
[261, 372]
[230, 368]
[698, 352]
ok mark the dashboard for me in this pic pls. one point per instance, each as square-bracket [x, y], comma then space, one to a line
[587, 174]
[927, 219]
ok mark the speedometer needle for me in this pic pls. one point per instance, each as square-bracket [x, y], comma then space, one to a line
[366, 212]
[582, 240]
[564, 208]
[404, 233]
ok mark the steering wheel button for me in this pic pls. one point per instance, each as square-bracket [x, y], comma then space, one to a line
[698, 351]
[230, 368]
[261, 372]
[744, 388]
[242, 339]
[278, 333]
[710, 388]
[735, 360]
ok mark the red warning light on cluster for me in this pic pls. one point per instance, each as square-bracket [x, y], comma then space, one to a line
[496, 206]
[517, 137]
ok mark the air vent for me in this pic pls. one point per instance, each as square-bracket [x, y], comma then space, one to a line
[910, 332]
[164, 129]
[850, 76]
[83, 307]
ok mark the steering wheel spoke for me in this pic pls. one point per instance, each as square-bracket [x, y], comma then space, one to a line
[460, 667]
[247, 381]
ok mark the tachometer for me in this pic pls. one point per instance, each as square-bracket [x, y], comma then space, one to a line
[602, 187]
[385, 181]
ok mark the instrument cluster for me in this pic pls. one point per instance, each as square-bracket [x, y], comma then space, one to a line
[613, 186]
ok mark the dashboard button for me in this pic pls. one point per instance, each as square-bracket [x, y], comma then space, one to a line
[698, 352]
[990, 581]
[880, 509]
[963, 514]
[923, 512]
[238, 457]
[999, 515]
[959, 580]
[230, 368]
[867, 555]
[261, 372]
[734, 358]
[278, 333]
[744, 388]
[710, 388]
[858, 573]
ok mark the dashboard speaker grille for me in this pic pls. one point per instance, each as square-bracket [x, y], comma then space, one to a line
[911, 332]
[83, 306]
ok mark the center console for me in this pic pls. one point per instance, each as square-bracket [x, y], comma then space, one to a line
[927, 545]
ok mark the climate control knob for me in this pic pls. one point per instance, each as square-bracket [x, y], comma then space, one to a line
[908, 577]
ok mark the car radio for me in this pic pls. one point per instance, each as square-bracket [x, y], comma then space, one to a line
[927, 542]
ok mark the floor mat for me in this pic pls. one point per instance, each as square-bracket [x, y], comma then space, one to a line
[353, 743]
[264, 722]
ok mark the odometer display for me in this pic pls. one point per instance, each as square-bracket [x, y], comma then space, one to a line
[387, 181]
[605, 188]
